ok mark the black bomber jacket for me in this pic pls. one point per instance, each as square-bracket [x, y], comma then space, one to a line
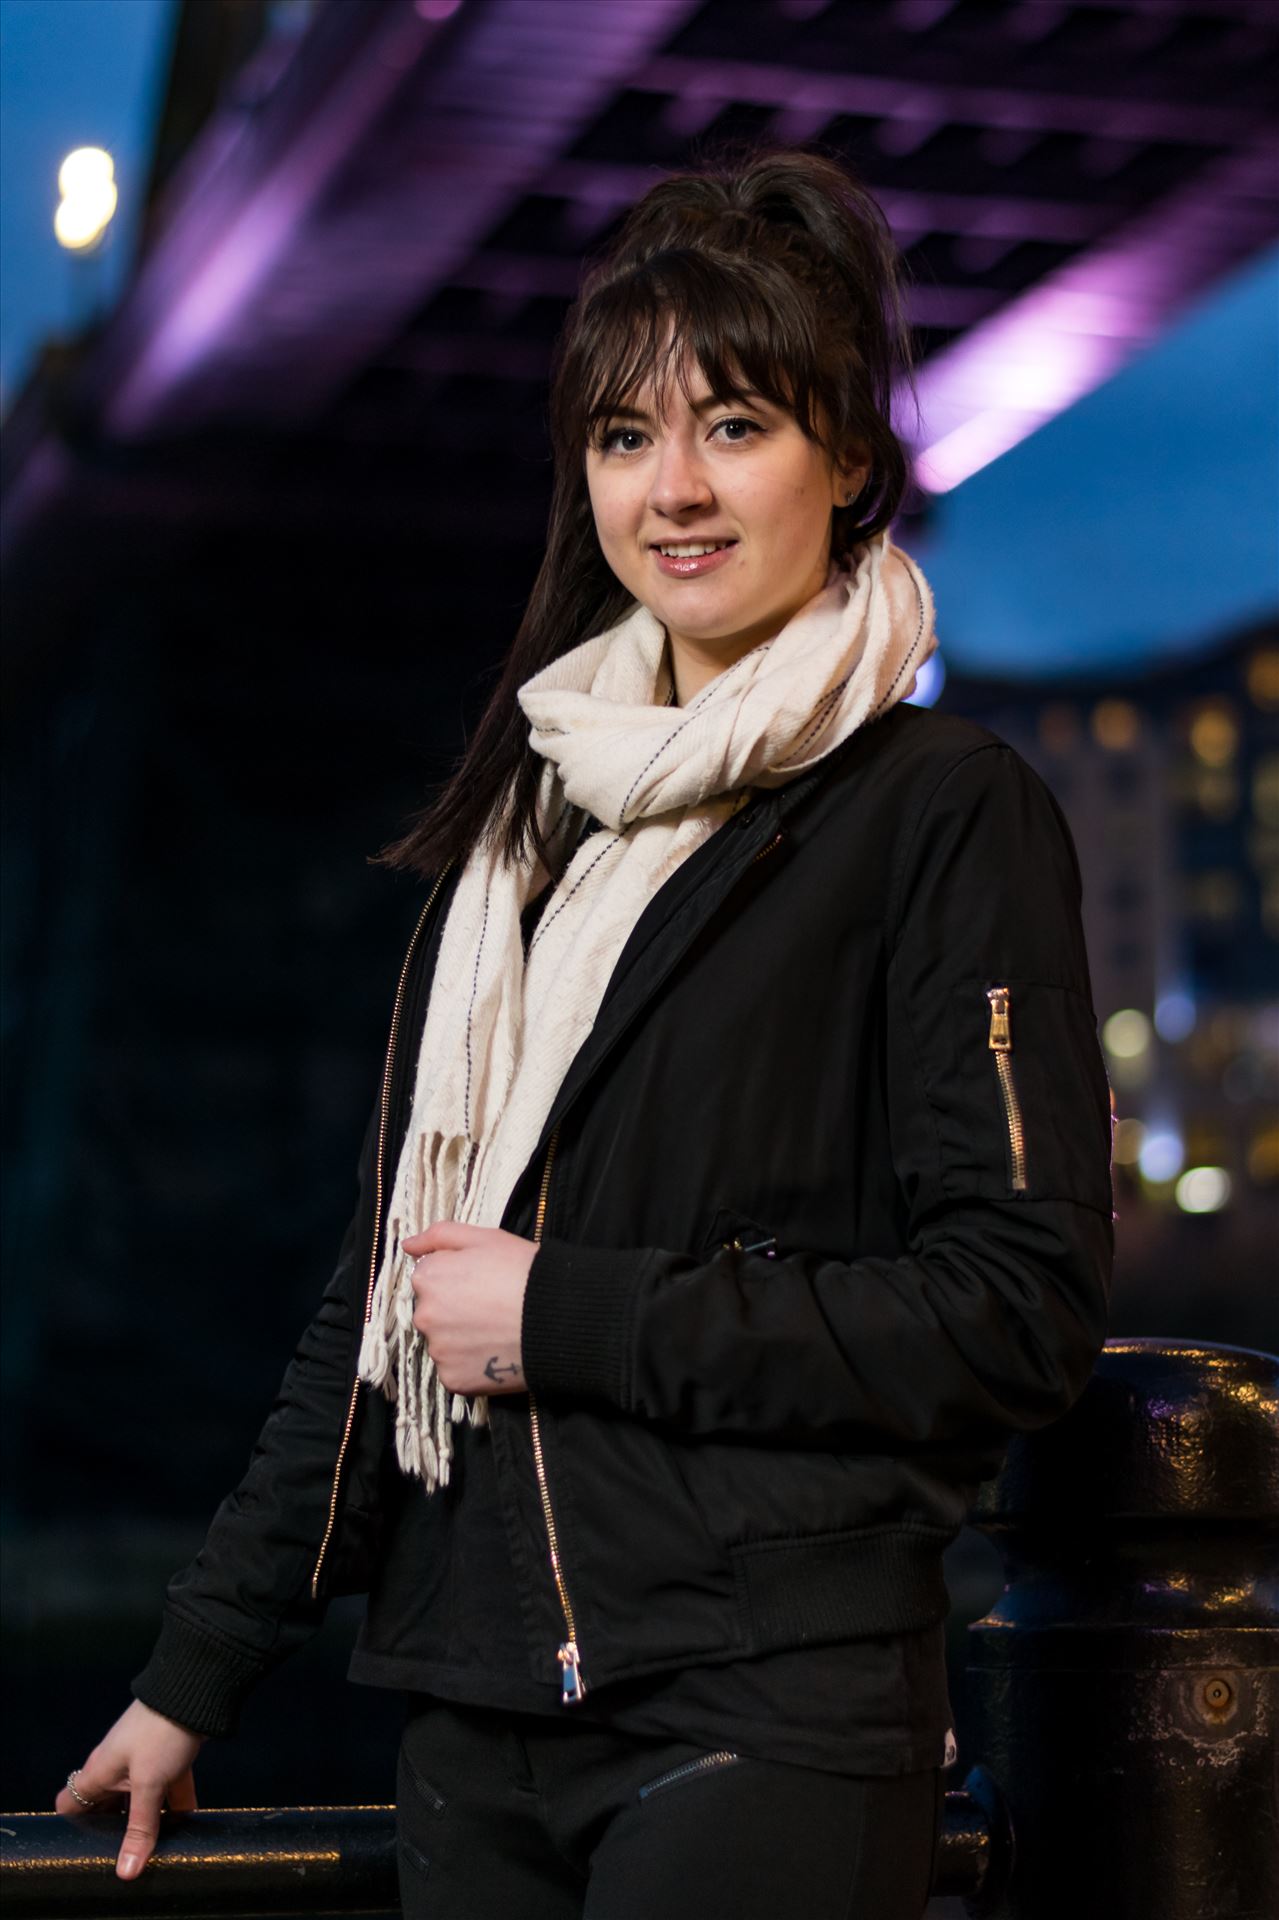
[824, 1216]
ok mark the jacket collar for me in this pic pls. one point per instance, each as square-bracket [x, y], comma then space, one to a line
[668, 926]
[664, 931]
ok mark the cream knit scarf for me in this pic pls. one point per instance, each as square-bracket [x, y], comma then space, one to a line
[501, 1032]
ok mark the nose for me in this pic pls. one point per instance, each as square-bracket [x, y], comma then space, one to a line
[679, 478]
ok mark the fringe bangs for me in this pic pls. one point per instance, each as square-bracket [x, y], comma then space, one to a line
[748, 327]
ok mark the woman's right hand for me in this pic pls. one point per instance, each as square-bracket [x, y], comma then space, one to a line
[146, 1760]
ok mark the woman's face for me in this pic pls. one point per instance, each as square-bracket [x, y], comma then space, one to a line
[739, 477]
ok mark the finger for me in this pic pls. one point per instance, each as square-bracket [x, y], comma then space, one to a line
[142, 1831]
[440, 1267]
[181, 1794]
[98, 1785]
[444, 1233]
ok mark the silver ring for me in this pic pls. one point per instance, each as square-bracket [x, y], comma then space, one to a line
[76, 1793]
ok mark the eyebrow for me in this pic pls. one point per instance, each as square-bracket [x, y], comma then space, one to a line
[747, 397]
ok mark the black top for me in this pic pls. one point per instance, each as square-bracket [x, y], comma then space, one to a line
[760, 1450]
[837, 1707]
[876, 1705]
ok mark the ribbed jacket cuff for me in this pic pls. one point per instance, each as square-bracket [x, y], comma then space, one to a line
[578, 1313]
[198, 1681]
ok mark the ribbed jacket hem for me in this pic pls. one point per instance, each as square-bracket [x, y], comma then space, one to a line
[847, 1584]
[199, 1681]
[578, 1314]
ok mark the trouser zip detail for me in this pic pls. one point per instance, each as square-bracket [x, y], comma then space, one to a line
[705, 1764]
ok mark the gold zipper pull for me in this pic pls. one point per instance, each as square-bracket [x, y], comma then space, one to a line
[574, 1685]
[1001, 1039]
[1000, 1044]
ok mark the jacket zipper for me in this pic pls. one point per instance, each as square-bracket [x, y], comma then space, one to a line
[568, 1654]
[1001, 1045]
[383, 1119]
[723, 1758]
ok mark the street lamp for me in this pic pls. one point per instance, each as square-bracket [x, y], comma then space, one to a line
[86, 183]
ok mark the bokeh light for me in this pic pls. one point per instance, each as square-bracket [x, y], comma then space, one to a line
[1261, 676]
[929, 682]
[1203, 1190]
[1214, 735]
[1175, 1015]
[1116, 725]
[86, 181]
[1162, 1155]
[1127, 1034]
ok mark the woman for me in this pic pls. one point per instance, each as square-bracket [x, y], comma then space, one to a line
[739, 1178]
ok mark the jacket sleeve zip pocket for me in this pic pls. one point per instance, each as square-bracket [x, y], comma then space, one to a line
[1000, 1043]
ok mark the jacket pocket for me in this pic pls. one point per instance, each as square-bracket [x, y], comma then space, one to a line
[1021, 1107]
[690, 1770]
[427, 1793]
[732, 1228]
[1000, 1043]
[845, 1585]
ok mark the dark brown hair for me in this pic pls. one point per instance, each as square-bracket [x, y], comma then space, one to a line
[779, 272]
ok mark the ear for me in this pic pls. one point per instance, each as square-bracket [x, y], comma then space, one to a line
[850, 472]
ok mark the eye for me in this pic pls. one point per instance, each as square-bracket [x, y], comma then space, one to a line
[737, 420]
[610, 435]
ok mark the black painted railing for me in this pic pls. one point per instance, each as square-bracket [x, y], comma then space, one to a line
[240, 1862]
[1124, 1693]
[248, 1863]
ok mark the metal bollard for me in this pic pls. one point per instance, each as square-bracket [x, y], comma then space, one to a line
[1123, 1689]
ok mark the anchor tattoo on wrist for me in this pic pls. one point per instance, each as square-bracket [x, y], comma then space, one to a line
[493, 1372]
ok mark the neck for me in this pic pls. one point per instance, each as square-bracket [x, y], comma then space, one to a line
[688, 668]
[669, 692]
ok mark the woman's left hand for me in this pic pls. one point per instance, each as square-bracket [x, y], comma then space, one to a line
[469, 1286]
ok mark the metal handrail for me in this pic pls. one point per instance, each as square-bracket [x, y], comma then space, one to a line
[1123, 1693]
[235, 1863]
[268, 1863]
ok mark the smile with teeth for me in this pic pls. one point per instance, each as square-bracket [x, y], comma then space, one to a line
[691, 550]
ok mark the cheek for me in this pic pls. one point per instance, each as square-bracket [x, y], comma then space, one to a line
[609, 510]
[776, 500]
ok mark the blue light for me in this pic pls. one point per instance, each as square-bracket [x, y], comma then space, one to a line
[1162, 1155]
[1002, 553]
[1174, 1015]
[929, 682]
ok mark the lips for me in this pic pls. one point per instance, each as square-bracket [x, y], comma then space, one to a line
[696, 540]
[690, 566]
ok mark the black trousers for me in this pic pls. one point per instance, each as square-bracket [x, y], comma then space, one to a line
[514, 1815]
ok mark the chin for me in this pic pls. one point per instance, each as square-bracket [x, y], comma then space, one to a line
[702, 618]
